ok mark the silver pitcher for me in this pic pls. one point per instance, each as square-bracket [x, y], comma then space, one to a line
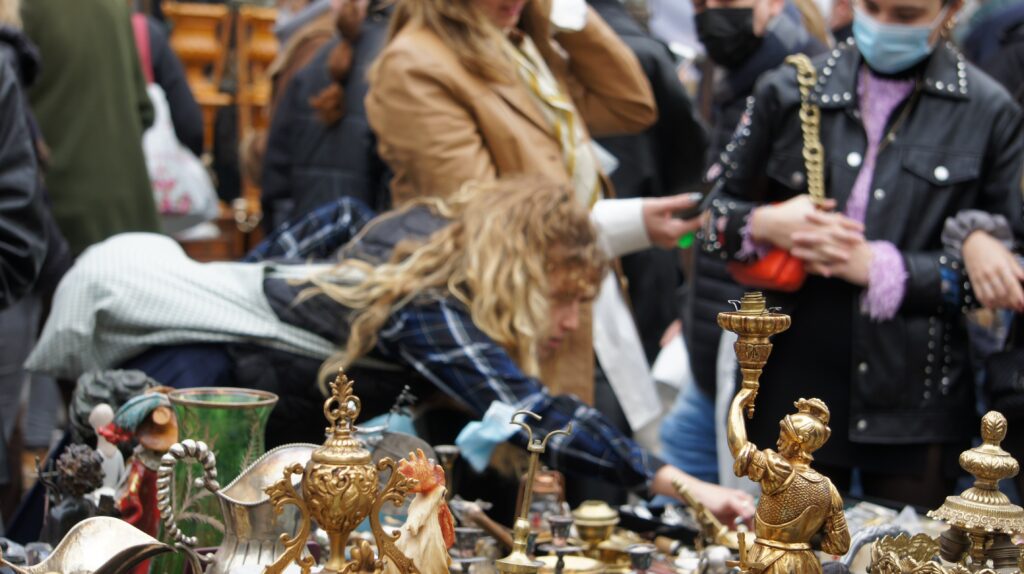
[252, 529]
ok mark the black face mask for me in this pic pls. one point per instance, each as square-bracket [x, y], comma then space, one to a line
[728, 35]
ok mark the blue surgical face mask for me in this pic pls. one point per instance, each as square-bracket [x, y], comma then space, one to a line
[892, 48]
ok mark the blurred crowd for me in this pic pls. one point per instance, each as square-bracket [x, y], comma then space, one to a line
[504, 204]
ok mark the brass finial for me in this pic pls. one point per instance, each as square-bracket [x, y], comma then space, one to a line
[341, 409]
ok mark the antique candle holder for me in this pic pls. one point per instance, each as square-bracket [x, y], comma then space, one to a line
[339, 490]
[797, 504]
[465, 555]
[754, 324]
[559, 546]
[640, 557]
[519, 562]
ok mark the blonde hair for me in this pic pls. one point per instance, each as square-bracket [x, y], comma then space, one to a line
[497, 256]
[10, 13]
[464, 28]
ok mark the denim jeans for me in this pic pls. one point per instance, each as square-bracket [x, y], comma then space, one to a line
[688, 434]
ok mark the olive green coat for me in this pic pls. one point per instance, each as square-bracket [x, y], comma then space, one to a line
[92, 107]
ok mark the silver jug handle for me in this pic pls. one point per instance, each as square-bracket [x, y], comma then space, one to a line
[195, 451]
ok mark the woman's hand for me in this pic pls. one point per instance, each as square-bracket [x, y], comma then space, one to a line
[776, 223]
[994, 272]
[726, 504]
[834, 246]
[671, 332]
[663, 228]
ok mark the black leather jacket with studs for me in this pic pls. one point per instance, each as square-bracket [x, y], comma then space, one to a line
[959, 147]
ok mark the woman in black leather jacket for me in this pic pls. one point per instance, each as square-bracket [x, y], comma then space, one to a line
[912, 134]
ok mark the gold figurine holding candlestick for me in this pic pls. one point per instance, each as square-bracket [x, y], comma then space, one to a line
[796, 502]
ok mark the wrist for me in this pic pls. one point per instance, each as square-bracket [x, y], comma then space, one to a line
[762, 224]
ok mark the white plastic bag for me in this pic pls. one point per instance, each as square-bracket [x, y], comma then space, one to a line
[182, 188]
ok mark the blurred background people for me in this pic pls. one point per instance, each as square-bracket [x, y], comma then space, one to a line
[91, 103]
[320, 146]
[744, 39]
[169, 74]
[33, 258]
[878, 325]
[475, 89]
[665, 159]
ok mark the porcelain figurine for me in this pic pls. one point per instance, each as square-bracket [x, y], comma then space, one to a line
[113, 461]
[429, 530]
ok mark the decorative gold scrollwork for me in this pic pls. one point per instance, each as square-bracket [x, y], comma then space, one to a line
[395, 491]
[283, 493]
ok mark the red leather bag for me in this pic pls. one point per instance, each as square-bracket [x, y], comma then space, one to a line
[778, 270]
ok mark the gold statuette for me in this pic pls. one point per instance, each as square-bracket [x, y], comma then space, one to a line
[796, 502]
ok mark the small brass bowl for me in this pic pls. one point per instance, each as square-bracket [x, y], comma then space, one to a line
[595, 521]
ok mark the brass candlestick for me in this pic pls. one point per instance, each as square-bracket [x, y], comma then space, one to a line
[339, 490]
[797, 504]
[982, 519]
[519, 562]
[753, 323]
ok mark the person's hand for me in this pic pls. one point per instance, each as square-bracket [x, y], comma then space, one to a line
[350, 15]
[856, 270]
[663, 228]
[726, 504]
[834, 246]
[670, 333]
[994, 272]
[777, 223]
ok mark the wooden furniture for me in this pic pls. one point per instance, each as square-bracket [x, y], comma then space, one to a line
[200, 37]
[256, 47]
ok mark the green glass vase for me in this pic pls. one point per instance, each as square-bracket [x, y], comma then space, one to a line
[232, 422]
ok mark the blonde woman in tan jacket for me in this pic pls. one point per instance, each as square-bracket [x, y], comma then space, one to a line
[478, 89]
[450, 100]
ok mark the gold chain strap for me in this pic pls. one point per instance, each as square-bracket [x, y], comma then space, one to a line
[810, 125]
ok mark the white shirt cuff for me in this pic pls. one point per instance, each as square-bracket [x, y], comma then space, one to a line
[569, 15]
[620, 226]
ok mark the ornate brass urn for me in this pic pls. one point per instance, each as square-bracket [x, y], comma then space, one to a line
[339, 490]
[981, 520]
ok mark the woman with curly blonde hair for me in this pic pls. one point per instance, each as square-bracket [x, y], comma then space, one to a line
[511, 283]
[483, 286]
[460, 297]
